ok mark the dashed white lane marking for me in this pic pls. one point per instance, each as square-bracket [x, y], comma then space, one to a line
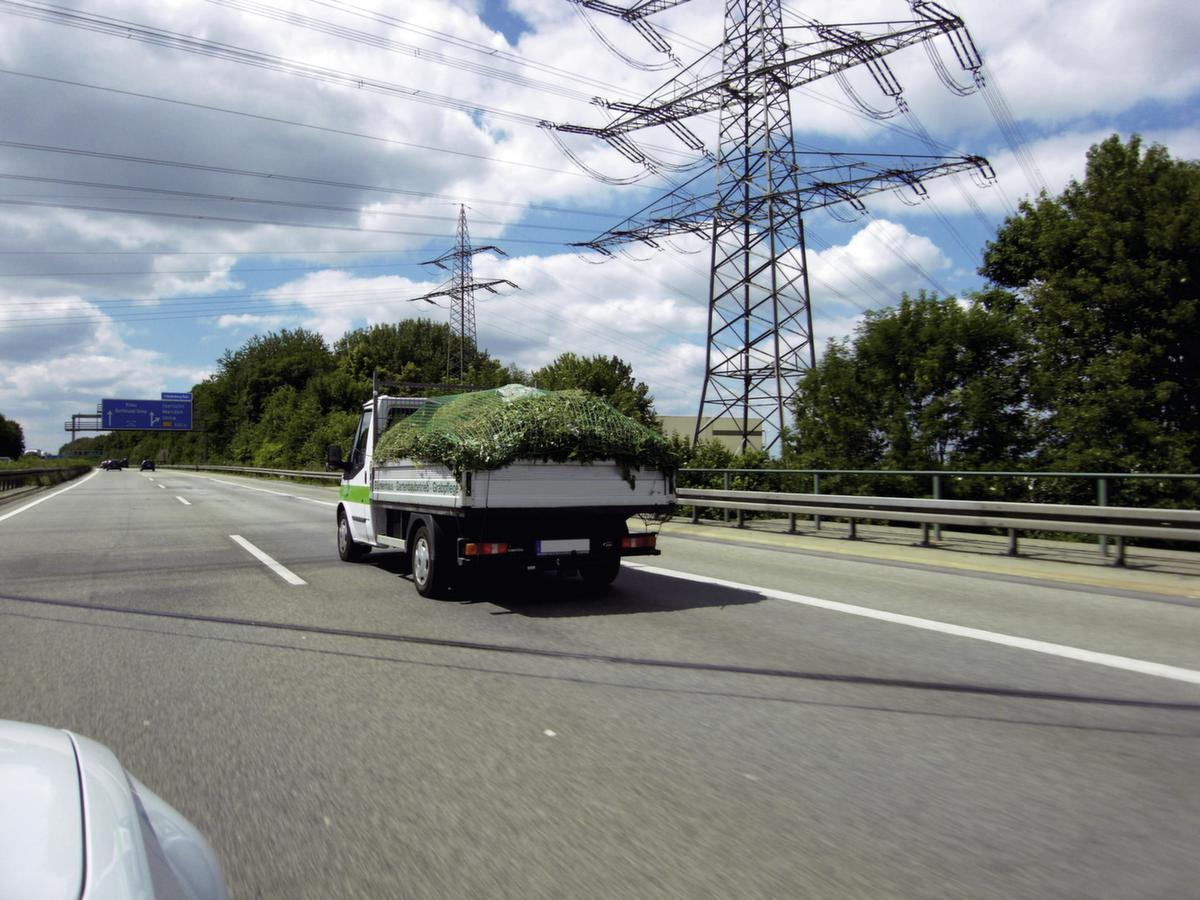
[181, 500]
[276, 493]
[282, 571]
[74, 484]
[1141, 666]
[163, 486]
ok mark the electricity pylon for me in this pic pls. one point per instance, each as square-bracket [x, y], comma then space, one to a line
[760, 333]
[460, 289]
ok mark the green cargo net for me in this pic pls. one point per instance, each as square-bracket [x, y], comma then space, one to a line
[493, 428]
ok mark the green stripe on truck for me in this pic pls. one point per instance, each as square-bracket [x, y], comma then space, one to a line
[355, 493]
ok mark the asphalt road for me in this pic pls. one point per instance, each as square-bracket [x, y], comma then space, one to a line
[684, 735]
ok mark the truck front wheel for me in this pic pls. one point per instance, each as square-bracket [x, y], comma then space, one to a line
[429, 565]
[349, 550]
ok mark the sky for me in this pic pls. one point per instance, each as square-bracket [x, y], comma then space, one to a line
[177, 177]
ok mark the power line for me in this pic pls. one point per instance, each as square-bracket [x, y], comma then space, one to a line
[226, 252]
[322, 26]
[159, 37]
[456, 41]
[202, 217]
[202, 300]
[278, 176]
[230, 272]
[291, 122]
[228, 198]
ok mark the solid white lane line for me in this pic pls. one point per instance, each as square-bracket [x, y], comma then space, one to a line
[1141, 666]
[268, 491]
[181, 500]
[73, 484]
[282, 571]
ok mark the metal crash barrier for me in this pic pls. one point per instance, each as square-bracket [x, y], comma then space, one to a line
[15, 479]
[250, 470]
[1111, 521]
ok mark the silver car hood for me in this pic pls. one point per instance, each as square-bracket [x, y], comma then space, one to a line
[74, 824]
[41, 814]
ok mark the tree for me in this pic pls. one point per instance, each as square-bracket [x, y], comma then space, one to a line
[835, 416]
[927, 384]
[235, 396]
[609, 377]
[1104, 279]
[12, 438]
[411, 350]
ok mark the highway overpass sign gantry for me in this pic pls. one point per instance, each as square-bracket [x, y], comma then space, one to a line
[172, 412]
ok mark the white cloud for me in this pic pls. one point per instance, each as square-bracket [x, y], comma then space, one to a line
[34, 328]
[652, 314]
[243, 321]
[1074, 58]
[51, 373]
[1072, 72]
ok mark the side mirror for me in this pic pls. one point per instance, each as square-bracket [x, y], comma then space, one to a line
[334, 458]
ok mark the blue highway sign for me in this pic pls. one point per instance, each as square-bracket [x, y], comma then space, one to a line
[146, 415]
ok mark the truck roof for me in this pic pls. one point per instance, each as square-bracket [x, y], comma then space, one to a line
[402, 402]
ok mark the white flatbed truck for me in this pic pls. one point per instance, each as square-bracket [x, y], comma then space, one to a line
[530, 515]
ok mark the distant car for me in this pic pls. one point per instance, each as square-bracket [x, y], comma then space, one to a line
[74, 823]
[111, 464]
[123, 462]
[147, 465]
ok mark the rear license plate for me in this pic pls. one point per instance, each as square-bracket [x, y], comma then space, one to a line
[569, 545]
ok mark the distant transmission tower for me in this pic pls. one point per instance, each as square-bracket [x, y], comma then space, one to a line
[760, 333]
[461, 287]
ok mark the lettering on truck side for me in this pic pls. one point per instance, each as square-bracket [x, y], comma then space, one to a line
[424, 486]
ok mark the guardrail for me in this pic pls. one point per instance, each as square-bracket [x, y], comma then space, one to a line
[11, 479]
[251, 470]
[939, 479]
[1105, 521]
[1109, 521]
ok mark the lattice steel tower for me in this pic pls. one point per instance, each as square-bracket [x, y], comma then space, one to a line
[460, 289]
[760, 335]
[760, 332]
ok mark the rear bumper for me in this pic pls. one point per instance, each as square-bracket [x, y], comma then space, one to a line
[499, 556]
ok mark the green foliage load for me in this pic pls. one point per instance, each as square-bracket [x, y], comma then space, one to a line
[493, 428]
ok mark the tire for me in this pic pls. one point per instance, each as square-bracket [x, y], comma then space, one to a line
[429, 564]
[349, 550]
[602, 572]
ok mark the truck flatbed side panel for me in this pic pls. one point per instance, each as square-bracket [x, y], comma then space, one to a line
[548, 485]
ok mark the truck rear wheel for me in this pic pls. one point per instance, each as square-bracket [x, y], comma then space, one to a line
[429, 564]
[349, 550]
[602, 572]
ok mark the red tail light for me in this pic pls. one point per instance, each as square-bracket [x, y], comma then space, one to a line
[479, 549]
[635, 541]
